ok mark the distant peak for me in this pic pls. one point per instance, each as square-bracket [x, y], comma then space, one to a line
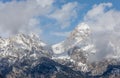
[83, 26]
[78, 36]
[32, 35]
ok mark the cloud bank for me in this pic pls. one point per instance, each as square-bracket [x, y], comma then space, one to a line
[66, 14]
[24, 16]
[105, 24]
[18, 17]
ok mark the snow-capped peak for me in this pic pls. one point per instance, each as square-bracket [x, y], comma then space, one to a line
[77, 47]
[79, 34]
[83, 27]
[21, 46]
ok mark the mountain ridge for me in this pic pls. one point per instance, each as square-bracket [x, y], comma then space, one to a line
[22, 53]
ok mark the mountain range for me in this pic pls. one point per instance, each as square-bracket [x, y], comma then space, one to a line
[27, 56]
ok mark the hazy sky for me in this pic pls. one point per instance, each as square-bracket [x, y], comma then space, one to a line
[54, 19]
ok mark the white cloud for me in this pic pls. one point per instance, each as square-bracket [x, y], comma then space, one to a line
[65, 15]
[105, 25]
[18, 17]
[60, 34]
[21, 16]
[45, 3]
[102, 19]
[97, 10]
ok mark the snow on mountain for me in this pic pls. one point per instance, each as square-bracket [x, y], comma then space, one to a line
[77, 44]
[31, 46]
[23, 52]
[78, 37]
[80, 33]
[23, 46]
[58, 48]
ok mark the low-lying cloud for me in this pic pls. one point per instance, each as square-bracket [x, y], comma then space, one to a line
[105, 24]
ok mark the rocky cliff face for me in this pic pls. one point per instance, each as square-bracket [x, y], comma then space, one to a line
[46, 68]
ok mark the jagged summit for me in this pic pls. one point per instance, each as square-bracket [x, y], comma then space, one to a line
[78, 37]
[23, 46]
[83, 26]
[80, 33]
[76, 48]
[26, 40]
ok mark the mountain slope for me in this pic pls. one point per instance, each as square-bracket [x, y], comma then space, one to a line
[76, 48]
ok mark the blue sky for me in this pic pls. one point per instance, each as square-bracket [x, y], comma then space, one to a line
[53, 20]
